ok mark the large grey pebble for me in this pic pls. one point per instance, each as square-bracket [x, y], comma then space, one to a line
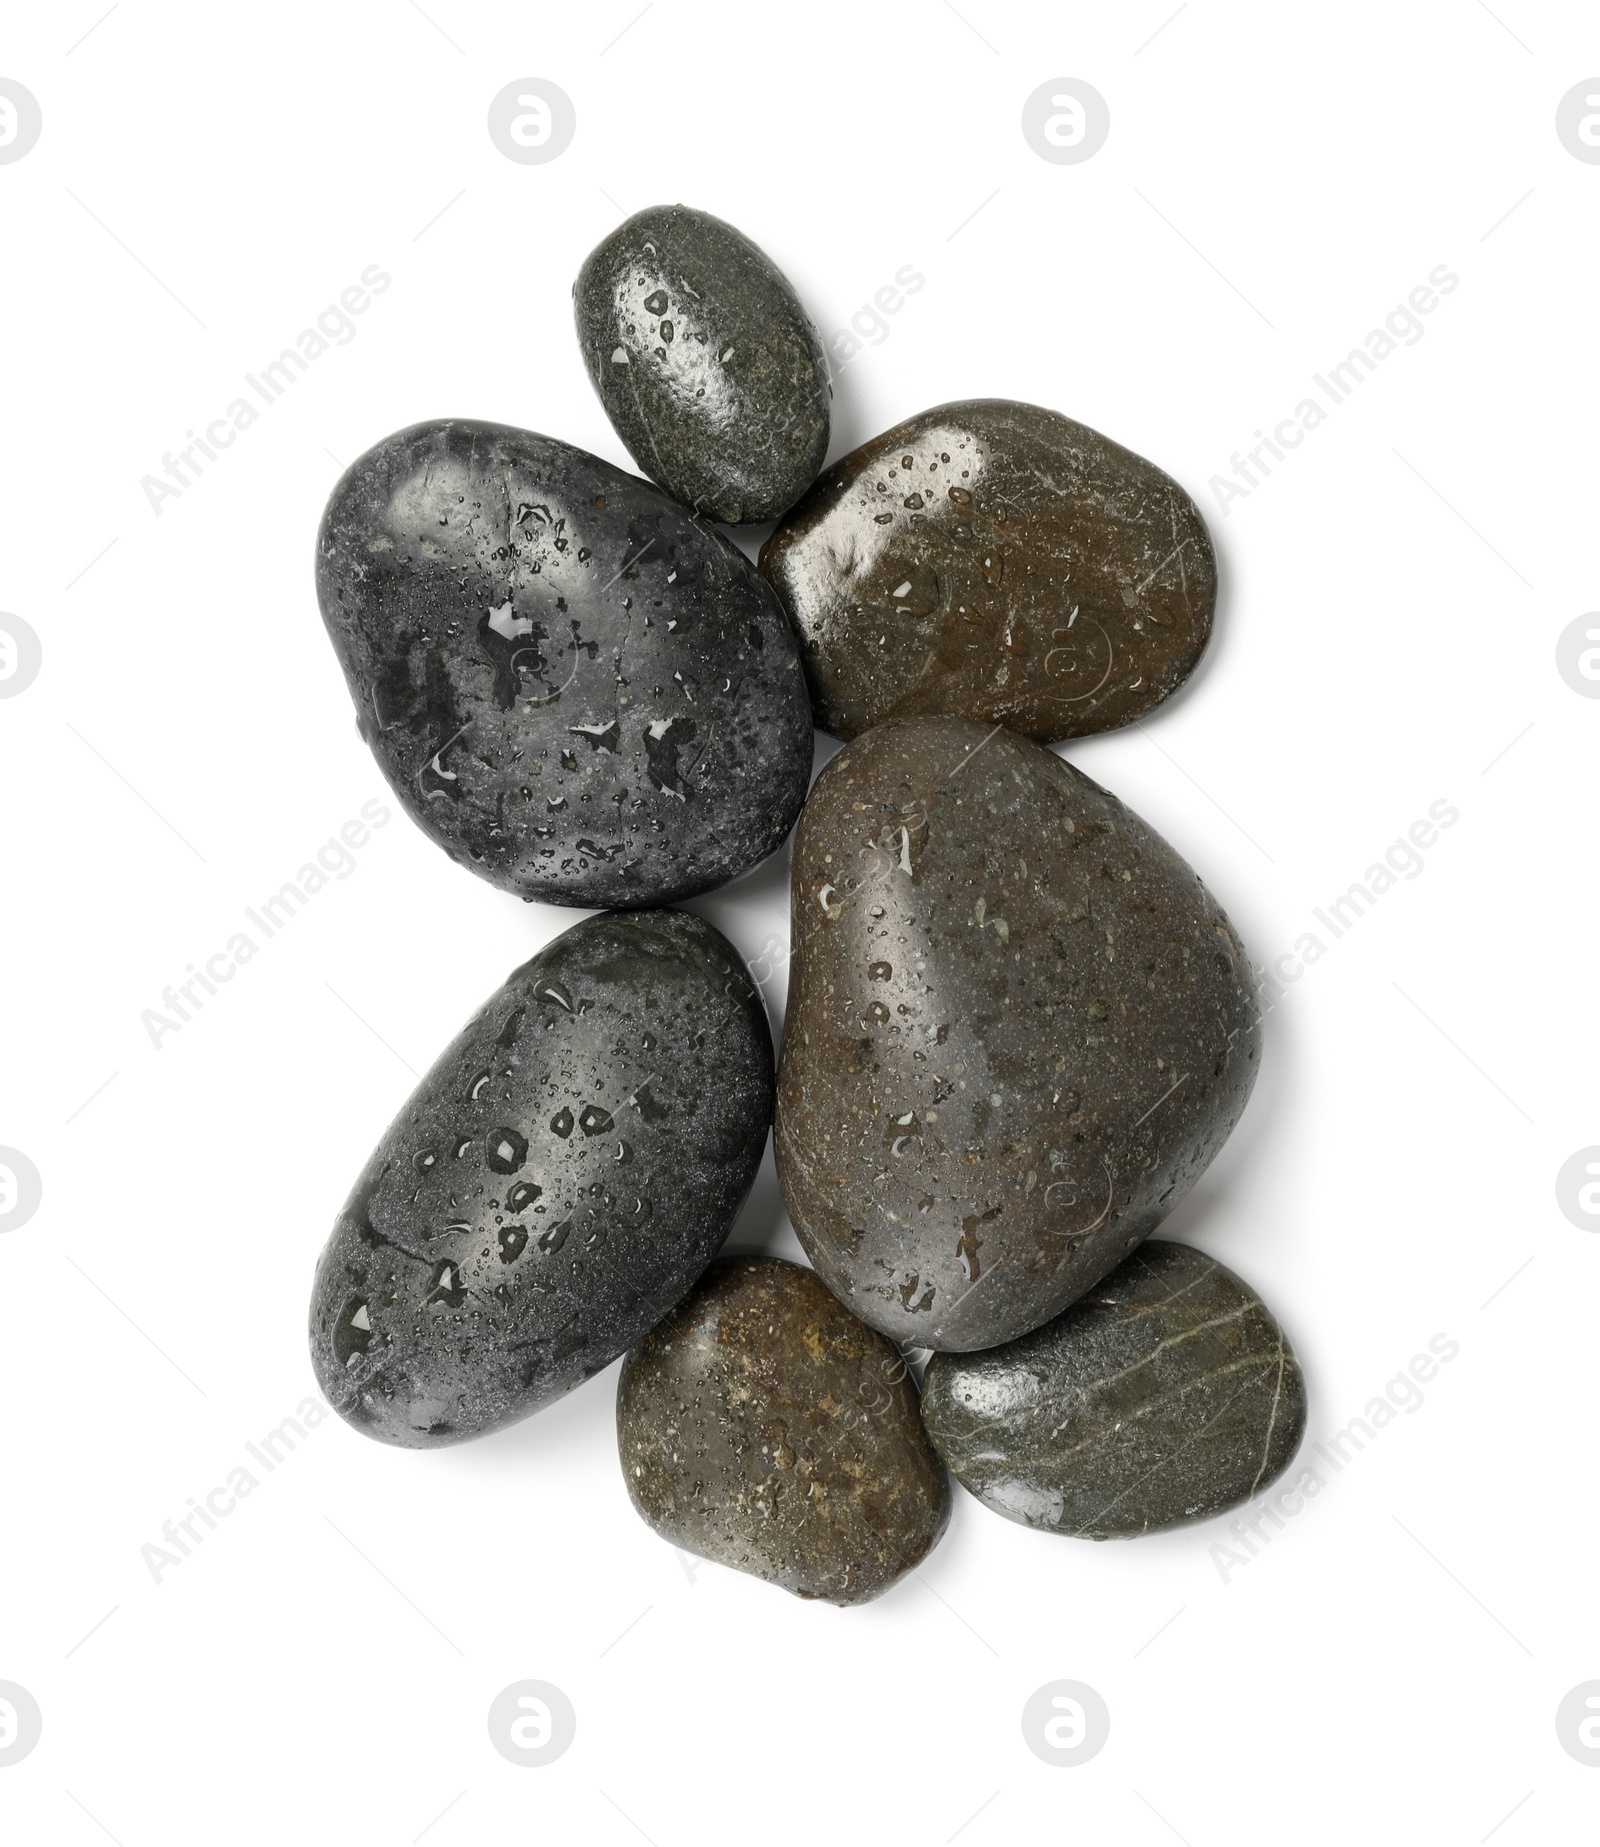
[554, 1184]
[580, 691]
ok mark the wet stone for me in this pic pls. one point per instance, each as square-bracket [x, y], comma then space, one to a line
[764, 1427]
[995, 561]
[577, 690]
[1018, 1030]
[1165, 1395]
[554, 1184]
[705, 361]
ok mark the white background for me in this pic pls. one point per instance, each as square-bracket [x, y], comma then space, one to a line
[1275, 181]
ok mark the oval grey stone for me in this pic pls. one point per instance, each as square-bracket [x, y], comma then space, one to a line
[705, 361]
[1018, 1030]
[1165, 1395]
[996, 561]
[551, 1188]
[761, 1425]
[575, 688]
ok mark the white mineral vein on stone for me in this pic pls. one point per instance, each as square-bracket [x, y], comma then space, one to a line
[1277, 1399]
[1165, 1461]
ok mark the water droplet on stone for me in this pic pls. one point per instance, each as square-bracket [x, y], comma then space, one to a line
[506, 1150]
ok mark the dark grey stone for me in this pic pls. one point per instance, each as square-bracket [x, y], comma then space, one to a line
[996, 561]
[1018, 1030]
[1166, 1394]
[705, 362]
[555, 1183]
[581, 692]
[761, 1425]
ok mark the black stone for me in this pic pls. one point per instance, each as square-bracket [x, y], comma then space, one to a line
[451, 1298]
[705, 362]
[1018, 1030]
[579, 691]
[1165, 1395]
[761, 1425]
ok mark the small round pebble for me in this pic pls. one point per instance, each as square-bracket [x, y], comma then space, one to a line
[705, 361]
[763, 1427]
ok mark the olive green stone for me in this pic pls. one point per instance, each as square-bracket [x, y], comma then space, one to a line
[1167, 1394]
[705, 362]
[1018, 1030]
[996, 561]
[763, 1427]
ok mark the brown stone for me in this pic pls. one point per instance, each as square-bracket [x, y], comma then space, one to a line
[995, 561]
[1018, 1030]
[764, 1427]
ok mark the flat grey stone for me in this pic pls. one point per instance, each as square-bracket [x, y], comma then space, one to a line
[1165, 1395]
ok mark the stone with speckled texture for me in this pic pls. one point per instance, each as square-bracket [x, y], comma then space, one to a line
[705, 362]
[554, 1184]
[762, 1426]
[1165, 1395]
[1018, 1030]
[996, 561]
[579, 691]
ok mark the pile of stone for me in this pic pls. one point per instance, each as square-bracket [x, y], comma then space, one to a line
[1018, 1027]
